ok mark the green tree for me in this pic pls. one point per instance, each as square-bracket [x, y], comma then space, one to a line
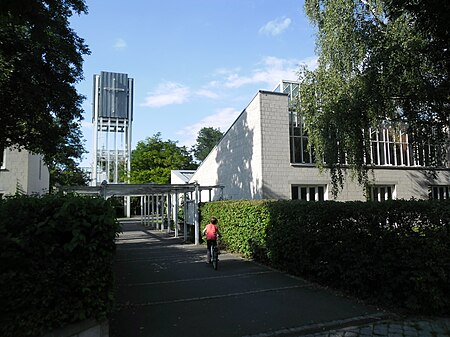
[40, 63]
[207, 138]
[67, 175]
[153, 159]
[378, 61]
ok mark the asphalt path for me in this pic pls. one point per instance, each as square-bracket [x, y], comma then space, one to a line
[166, 288]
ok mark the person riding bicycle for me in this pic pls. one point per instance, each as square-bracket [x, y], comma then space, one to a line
[212, 232]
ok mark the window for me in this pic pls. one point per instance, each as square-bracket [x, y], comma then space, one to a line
[2, 159]
[301, 151]
[439, 192]
[309, 192]
[390, 146]
[381, 192]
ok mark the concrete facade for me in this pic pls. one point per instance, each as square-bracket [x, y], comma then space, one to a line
[252, 161]
[22, 170]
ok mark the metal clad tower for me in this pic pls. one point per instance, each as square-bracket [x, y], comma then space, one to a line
[112, 118]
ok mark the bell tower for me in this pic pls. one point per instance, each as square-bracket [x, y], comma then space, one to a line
[112, 120]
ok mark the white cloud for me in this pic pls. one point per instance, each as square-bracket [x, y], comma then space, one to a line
[167, 93]
[120, 44]
[275, 27]
[222, 120]
[270, 71]
[207, 93]
[310, 62]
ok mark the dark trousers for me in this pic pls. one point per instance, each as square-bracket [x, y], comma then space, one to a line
[209, 244]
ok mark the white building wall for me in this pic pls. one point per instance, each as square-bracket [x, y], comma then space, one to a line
[279, 174]
[236, 161]
[275, 144]
[24, 171]
[252, 161]
[38, 175]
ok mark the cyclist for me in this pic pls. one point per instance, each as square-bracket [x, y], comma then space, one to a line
[212, 232]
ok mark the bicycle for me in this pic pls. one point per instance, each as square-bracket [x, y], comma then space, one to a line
[215, 255]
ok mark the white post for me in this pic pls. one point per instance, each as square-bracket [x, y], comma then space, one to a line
[176, 214]
[158, 203]
[169, 211]
[196, 217]
[128, 198]
[96, 130]
[162, 212]
[185, 215]
[142, 209]
[153, 212]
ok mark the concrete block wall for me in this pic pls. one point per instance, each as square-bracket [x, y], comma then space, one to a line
[15, 172]
[26, 170]
[38, 175]
[252, 161]
[279, 174]
[275, 144]
[236, 161]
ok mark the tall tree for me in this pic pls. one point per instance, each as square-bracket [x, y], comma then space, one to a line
[153, 159]
[40, 62]
[378, 60]
[207, 138]
[64, 170]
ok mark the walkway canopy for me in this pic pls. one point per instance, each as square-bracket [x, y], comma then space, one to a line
[153, 198]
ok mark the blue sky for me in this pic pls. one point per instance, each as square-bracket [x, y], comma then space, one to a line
[195, 63]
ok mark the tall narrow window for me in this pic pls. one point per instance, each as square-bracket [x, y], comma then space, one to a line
[301, 151]
[2, 159]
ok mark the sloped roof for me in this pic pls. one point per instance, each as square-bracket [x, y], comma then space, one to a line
[184, 175]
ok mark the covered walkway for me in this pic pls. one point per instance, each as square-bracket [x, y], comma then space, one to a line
[159, 203]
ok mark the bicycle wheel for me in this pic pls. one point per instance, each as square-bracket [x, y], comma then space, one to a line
[215, 258]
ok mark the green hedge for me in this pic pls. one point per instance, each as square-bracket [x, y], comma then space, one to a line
[56, 262]
[242, 224]
[394, 253]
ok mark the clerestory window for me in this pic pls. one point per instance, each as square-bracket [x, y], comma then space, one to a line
[301, 151]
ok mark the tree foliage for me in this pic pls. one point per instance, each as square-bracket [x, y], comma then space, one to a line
[40, 63]
[67, 174]
[207, 138]
[379, 60]
[153, 159]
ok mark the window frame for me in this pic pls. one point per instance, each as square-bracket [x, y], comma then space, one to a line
[2, 159]
[381, 192]
[303, 192]
[439, 192]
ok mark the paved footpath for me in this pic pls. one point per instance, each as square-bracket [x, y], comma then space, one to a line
[165, 288]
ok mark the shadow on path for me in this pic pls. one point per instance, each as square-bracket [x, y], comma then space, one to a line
[165, 288]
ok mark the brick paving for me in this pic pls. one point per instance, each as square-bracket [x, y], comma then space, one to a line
[392, 328]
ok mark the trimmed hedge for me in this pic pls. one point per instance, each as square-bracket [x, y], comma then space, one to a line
[56, 262]
[394, 253]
